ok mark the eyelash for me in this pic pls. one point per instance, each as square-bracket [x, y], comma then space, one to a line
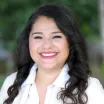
[57, 37]
[39, 37]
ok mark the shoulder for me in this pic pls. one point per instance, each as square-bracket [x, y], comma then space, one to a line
[12, 76]
[95, 91]
[94, 83]
[7, 83]
[10, 79]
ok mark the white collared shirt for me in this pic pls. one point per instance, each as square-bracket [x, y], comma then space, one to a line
[28, 93]
[51, 89]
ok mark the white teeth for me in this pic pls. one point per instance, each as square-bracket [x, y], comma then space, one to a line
[51, 54]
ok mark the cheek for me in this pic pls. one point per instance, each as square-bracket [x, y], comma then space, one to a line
[34, 45]
[63, 46]
[33, 49]
[65, 49]
[31, 45]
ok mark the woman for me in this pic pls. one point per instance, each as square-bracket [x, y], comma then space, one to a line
[52, 63]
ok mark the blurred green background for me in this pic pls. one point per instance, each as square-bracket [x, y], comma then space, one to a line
[14, 14]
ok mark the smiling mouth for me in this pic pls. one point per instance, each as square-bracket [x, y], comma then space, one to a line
[48, 55]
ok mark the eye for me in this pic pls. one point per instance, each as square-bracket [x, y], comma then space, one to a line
[37, 37]
[57, 36]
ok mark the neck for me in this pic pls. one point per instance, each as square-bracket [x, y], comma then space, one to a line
[46, 78]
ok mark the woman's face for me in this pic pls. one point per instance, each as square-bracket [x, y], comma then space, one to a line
[47, 44]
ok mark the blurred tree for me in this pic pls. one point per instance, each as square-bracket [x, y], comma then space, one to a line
[14, 14]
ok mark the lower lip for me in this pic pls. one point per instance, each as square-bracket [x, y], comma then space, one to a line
[48, 57]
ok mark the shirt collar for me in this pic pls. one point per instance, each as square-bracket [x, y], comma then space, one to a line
[62, 77]
[31, 77]
[60, 80]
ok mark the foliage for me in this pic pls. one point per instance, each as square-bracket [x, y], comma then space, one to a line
[2, 78]
[102, 67]
[14, 14]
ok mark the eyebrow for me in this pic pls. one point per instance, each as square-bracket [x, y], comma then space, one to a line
[56, 32]
[42, 33]
[37, 33]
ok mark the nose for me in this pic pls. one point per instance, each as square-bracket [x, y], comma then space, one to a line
[47, 44]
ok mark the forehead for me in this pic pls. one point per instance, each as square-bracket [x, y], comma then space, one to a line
[44, 22]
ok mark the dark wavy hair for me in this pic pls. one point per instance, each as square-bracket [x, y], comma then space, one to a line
[77, 61]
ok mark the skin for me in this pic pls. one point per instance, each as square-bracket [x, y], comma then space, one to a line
[46, 38]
